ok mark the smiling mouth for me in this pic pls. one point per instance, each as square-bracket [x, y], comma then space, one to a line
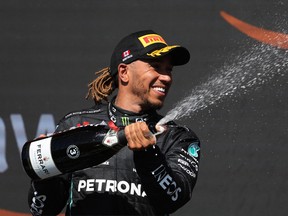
[160, 89]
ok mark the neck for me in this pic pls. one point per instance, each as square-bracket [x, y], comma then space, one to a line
[122, 116]
[127, 103]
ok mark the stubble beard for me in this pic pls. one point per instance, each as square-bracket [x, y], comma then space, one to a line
[142, 93]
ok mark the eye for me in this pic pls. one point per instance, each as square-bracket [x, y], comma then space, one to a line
[169, 69]
[161, 67]
[155, 65]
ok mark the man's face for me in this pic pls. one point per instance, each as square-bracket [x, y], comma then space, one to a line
[150, 81]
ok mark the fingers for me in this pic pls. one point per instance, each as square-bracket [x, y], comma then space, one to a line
[160, 129]
[139, 136]
[42, 135]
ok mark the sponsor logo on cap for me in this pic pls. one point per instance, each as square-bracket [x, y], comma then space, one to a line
[126, 55]
[149, 39]
[159, 52]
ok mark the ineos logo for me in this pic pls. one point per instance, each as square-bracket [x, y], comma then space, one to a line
[73, 151]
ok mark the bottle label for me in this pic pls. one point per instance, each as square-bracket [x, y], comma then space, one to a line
[110, 139]
[41, 158]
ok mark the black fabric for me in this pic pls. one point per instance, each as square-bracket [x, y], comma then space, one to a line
[155, 181]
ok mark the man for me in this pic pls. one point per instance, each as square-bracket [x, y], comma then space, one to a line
[153, 175]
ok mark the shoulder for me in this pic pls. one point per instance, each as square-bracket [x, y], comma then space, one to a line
[179, 140]
[98, 108]
[180, 133]
[93, 115]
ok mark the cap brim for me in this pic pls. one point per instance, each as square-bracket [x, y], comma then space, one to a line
[179, 55]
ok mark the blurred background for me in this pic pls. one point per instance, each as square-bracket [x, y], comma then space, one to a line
[50, 50]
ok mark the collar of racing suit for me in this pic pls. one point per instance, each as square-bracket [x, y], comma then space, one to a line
[122, 117]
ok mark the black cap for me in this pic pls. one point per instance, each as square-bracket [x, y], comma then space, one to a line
[145, 45]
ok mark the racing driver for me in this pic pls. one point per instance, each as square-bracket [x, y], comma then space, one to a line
[153, 175]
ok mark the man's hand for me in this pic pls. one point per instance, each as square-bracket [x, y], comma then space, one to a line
[139, 136]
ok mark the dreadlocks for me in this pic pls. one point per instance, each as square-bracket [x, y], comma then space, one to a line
[100, 88]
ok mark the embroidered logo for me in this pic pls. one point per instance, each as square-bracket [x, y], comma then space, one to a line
[193, 149]
[150, 39]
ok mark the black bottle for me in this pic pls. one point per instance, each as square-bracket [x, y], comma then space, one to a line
[70, 150]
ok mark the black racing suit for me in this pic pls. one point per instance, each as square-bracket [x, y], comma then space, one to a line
[155, 181]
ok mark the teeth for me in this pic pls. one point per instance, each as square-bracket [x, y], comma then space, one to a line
[160, 89]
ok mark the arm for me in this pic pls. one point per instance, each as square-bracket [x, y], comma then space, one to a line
[169, 174]
[49, 196]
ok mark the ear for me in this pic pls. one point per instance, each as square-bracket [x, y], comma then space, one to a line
[122, 73]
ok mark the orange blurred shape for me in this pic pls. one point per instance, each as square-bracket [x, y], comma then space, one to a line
[272, 38]
[10, 213]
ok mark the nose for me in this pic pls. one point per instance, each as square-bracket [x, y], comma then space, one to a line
[166, 77]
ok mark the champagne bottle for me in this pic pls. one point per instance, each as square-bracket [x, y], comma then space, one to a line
[70, 150]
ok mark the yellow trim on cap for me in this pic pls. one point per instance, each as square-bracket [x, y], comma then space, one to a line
[149, 39]
[159, 52]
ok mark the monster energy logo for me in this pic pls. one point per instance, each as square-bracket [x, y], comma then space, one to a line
[125, 121]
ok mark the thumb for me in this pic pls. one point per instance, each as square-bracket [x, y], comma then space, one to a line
[160, 129]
